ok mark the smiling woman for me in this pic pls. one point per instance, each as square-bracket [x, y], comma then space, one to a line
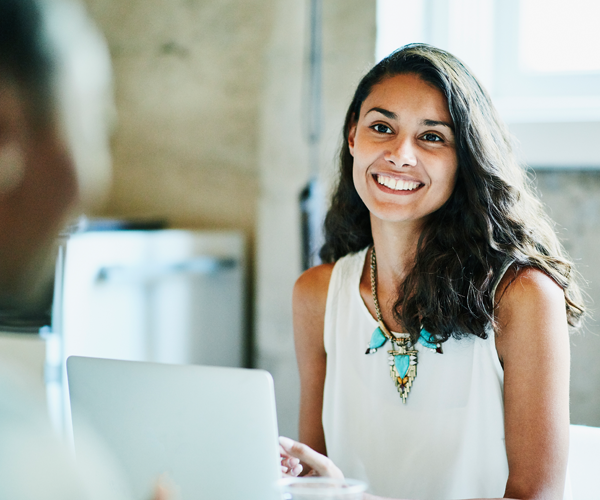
[436, 250]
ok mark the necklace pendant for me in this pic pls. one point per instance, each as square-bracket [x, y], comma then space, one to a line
[403, 369]
[426, 340]
[377, 340]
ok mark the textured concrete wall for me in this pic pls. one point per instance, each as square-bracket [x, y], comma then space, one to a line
[572, 198]
[188, 76]
[570, 189]
[348, 50]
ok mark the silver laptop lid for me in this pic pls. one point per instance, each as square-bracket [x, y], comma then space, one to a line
[212, 430]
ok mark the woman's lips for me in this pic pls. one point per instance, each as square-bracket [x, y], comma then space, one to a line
[394, 184]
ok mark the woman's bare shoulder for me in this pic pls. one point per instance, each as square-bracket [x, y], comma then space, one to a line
[526, 287]
[530, 306]
[311, 287]
[309, 302]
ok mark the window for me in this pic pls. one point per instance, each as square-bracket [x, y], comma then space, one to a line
[540, 59]
[559, 37]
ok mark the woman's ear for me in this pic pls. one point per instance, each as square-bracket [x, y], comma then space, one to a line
[351, 135]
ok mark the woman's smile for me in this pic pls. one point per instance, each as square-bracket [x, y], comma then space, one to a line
[401, 186]
[403, 147]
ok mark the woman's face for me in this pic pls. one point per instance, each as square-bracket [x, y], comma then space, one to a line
[404, 151]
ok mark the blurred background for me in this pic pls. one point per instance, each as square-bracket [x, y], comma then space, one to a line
[226, 118]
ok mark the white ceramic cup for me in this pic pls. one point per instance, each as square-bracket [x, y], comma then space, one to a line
[321, 488]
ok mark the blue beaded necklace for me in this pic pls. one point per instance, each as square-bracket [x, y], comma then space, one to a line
[403, 357]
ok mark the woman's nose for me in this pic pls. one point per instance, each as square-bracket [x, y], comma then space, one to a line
[402, 153]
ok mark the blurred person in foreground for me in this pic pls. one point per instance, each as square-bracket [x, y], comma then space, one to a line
[55, 110]
[51, 131]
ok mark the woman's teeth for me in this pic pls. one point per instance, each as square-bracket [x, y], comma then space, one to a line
[397, 184]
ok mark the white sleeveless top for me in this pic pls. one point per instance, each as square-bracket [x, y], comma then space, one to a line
[446, 442]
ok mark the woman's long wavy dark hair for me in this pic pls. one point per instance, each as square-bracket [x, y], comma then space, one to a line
[492, 217]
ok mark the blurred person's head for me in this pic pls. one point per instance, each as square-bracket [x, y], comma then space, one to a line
[50, 107]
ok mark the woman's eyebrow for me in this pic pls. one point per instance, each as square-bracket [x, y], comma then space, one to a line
[388, 114]
[435, 123]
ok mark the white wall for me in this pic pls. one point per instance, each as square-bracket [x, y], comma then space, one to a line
[561, 145]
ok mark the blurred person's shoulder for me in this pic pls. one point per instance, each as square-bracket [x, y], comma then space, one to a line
[35, 462]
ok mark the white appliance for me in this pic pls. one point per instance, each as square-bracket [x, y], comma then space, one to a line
[169, 296]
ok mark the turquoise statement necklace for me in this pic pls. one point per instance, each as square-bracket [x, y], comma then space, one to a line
[403, 357]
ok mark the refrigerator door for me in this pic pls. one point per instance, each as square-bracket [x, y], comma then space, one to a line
[168, 296]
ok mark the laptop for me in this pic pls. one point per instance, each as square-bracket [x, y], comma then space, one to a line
[212, 430]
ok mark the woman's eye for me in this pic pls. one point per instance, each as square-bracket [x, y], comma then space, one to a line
[432, 137]
[381, 128]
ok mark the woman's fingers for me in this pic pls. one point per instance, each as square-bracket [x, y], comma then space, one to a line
[290, 466]
[291, 471]
[287, 459]
[320, 464]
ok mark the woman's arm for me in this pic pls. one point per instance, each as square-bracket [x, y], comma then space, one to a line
[533, 346]
[309, 299]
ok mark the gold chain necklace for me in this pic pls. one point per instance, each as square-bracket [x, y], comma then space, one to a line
[403, 357]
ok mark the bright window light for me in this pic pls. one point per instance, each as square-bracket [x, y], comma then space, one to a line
[398, 22]
[558, 36]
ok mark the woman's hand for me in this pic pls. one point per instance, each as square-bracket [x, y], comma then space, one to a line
[320, 464]
[290, 466]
